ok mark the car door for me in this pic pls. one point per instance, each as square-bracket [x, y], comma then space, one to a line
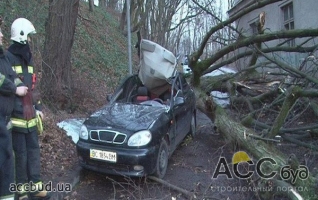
[189, 103]
[179, 111]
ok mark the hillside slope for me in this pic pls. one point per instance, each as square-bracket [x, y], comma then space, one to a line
[99, 53]
[100, 61]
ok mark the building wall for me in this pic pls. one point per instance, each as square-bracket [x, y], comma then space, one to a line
[305, 16]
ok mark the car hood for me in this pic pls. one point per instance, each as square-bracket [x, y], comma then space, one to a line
[131, 117]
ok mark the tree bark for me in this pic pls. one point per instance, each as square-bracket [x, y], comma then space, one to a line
[60, 29]
[91, 5]
[123, 17]
[280, 119]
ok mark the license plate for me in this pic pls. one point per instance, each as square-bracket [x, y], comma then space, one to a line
[103, 155]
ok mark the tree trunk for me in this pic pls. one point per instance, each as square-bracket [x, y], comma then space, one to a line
[123, 18]
[91, 5]
[112, 4]
[102, 3]
[60, 29]
[242, 137]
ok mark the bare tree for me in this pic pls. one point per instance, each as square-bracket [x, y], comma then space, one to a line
[111, 4]
[137, 15]
[91, 5]
[152, 18]
[123, 17]
[102, 3]
[60, 29]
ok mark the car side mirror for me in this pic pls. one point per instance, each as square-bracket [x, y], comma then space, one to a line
[109, 97]
[178, 101]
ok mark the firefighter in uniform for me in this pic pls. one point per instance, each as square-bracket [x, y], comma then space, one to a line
[24, 122]
[9, 86]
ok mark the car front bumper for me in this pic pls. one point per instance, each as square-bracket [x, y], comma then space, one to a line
[129, 161]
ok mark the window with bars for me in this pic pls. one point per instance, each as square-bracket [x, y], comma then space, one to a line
[253, 28]
[288, 20]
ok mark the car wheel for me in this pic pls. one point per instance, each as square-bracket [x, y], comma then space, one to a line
[162, 160]
[193, 125]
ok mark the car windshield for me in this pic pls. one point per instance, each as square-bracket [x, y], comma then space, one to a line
[153, 103]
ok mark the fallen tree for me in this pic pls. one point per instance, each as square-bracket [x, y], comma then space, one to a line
[248, 140]
[264, 108]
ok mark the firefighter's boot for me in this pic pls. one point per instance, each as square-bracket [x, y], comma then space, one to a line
[23, 197]
[42, 195]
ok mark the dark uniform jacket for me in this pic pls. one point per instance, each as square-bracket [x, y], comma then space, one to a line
[7, 96]
[23, 65]
[7, 86]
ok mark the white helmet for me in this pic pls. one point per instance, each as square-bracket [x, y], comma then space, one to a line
[20, 29]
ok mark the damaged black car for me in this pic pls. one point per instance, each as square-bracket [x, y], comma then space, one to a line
[145, 120]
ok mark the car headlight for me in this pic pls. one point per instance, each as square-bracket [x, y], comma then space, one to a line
[140, 138]
[83, 133]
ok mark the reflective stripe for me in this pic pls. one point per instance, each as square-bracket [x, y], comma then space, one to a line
[17, 81]
[21, 123]
[2, 77]
[38, 186]
[18, 69]
[23, 188]
[30, 69]
[30, 187]
[7, 197]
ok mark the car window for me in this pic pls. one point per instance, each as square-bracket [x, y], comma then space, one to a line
[125, 89]
[176, 85]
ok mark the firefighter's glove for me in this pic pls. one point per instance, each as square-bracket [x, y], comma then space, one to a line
[38, 112]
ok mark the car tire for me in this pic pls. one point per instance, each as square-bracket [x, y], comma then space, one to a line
[162, 160]
[193, 126]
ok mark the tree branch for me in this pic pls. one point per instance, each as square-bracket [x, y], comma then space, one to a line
[223, 24]
[300, 143]
[255, 39]
[267, 50]
[291, 69]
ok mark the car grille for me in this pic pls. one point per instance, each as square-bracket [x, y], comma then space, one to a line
[108, 136]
